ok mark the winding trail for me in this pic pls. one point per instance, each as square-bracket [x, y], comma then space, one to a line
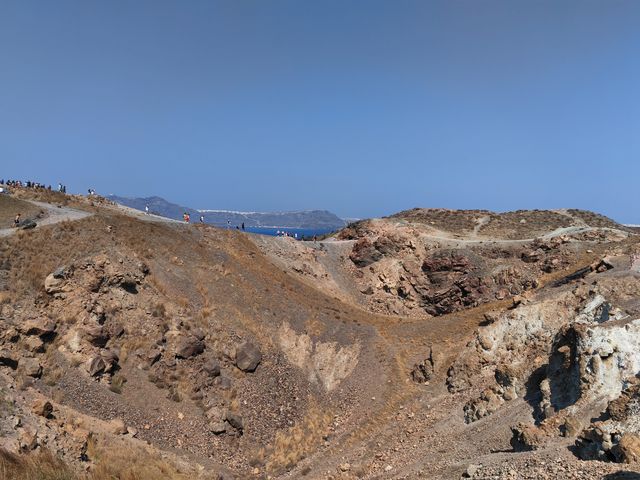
[53, 214]
[441, 236]
[58, 213]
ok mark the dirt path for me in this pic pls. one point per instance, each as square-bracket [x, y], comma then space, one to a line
[481, 222]
[140, 215]
[454, 241]
[441, 236]
[54, 214]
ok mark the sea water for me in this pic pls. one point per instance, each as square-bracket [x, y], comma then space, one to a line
[302, 232]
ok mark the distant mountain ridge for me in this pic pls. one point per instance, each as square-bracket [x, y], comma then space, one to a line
[312, 219]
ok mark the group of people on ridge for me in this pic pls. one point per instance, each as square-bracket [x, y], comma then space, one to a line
[26, 184]
[186, 218]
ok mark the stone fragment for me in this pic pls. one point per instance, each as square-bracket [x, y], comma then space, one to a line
[234, 420]
[43, 327]
[34, 344]
[96, 366]
[215, 414]
[628, 448]
[188, 347]
[248, 357]
[8, 359]
[31, 367]
[218, 427]
[96, 335]
[53, 284]
[212, 367]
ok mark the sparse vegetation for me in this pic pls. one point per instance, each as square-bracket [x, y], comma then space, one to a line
[10, 207]
[159, 310]
[117, 383]
[120, 461]
[292, 445]
[42, 465]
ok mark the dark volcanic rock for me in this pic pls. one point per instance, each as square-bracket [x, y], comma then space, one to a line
[8, 359]
[248, 357]
[234, 420]
[188, 347]
[364, 253]
[212, 367]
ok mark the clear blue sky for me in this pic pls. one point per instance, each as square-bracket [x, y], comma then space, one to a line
[361, 107]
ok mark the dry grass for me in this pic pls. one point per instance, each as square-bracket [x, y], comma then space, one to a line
[117, 383]
[32, 255]
[131, 344]
[10, 207]
[54, 365]
[595, 219]
[5, 298]
[6, 405]
[37, 466]
[159, 310]
[454, 221]
[505, 225]
[112, 462]
[157, 284]
[46, 196]
[52, 375]
[537, 222]
[292, 445]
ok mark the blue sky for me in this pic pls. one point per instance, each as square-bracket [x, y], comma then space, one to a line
[360, 107]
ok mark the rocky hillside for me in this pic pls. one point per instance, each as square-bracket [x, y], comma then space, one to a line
[132, 347]
[441, 261]
[172, 338]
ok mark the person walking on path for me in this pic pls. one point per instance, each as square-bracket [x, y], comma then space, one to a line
[243, 226]
[146, 209]
[16, 221]
[201, 218]
[186, 217]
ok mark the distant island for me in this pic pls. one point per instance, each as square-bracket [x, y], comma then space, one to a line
[306, 219]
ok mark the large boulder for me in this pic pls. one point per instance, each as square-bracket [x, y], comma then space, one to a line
[110, 359]
[526, 437]
[216, 414]
[217, 427]
[33, 344]
[96, 335]
[9, 359]
[189, 346]
[234, 420]
[423, 371]
[42, 327]
[96, 366]
[28, 224]
[248, 357]
[54, 283]
[31, 367]
[364, 253]
[212, 367]
[628, 448]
